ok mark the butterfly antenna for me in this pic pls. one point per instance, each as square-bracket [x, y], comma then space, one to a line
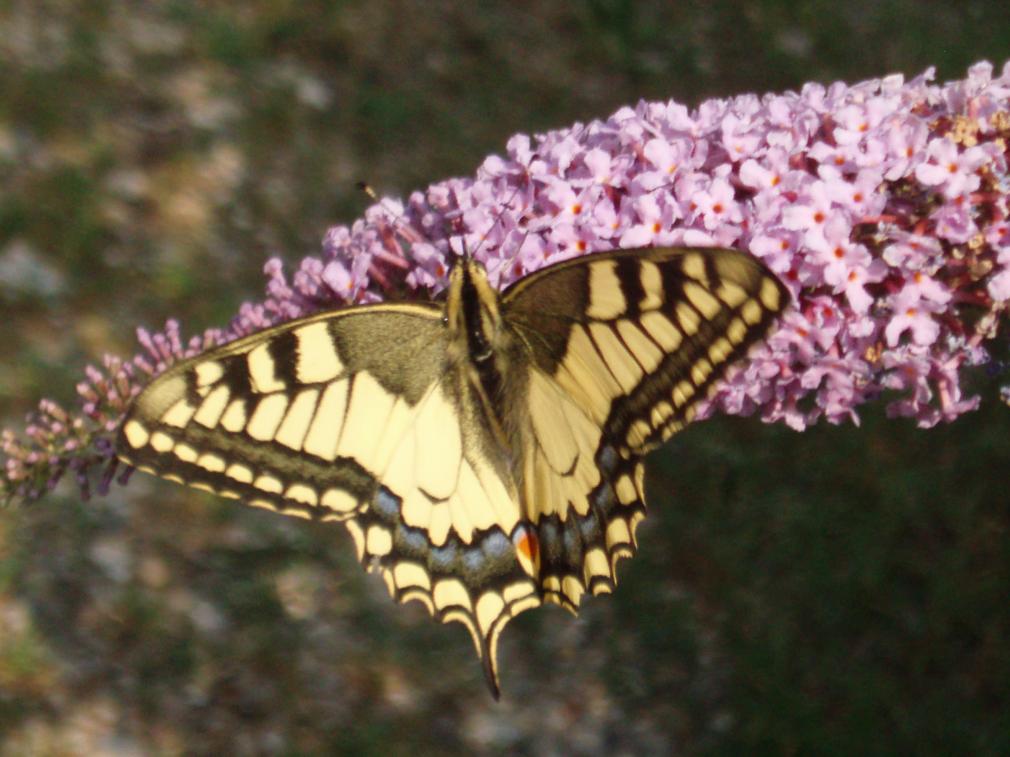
[507, 204]
[409, 232]
[510, 263]
[391, 262]
[412, 234]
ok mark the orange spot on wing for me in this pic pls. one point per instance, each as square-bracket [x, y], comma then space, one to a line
[528, 544]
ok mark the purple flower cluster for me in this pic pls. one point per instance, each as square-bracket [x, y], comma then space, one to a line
[883, 206]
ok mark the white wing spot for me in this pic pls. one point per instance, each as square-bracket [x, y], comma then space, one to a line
[210, 462]
[302, 493]
[489, 608]
[661, 330]
[661, 412]
[296, 423]
[652, 285]
[770, 296]
[234, 418]
[185, 453]
[379, 541]
[450, 592]
[241, 473]
[694, 266]
[720, 350]
[136, 434]
[162, 442]
[736, 331]
[339, 500]
[517, 591]
[409, 574]
[682, 393]
[208, 372]
[267, 417]
[263, 503]
[262, 370]
[179, 414]
[606, 300]
[700, 371]
[210, 411]
[317, 354]
[702, 299]
[625, 490]
[751, 312]
[572, 588]
[638, 433]
[732, 294]
[268, 484]
[324, 433]
[595, 564]
[689, 319]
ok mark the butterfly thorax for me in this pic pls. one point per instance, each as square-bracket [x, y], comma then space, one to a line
[481, 346]
[472, 310]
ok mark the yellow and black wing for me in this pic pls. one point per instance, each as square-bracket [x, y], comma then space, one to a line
[353, 416]
[621, 345]
[478, 506]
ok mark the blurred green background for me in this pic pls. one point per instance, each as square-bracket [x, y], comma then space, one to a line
[840, 591]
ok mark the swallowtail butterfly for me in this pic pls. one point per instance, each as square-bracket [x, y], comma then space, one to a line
[485, 453]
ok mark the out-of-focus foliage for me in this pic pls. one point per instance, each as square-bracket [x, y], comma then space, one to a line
[834, 591]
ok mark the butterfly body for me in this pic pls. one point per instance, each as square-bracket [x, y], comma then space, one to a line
[485, 453]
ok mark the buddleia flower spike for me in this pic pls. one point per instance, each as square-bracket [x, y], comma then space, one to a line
[478, 424]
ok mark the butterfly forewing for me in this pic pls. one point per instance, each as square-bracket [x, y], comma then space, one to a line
[638, 337]
[290, 418]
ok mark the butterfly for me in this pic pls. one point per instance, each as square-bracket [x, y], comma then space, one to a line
[484, 452]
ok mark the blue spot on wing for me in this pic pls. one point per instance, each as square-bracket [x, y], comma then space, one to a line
[387, 505]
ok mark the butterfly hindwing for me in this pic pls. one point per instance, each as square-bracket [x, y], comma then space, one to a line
[584, 500]
[622, 346]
